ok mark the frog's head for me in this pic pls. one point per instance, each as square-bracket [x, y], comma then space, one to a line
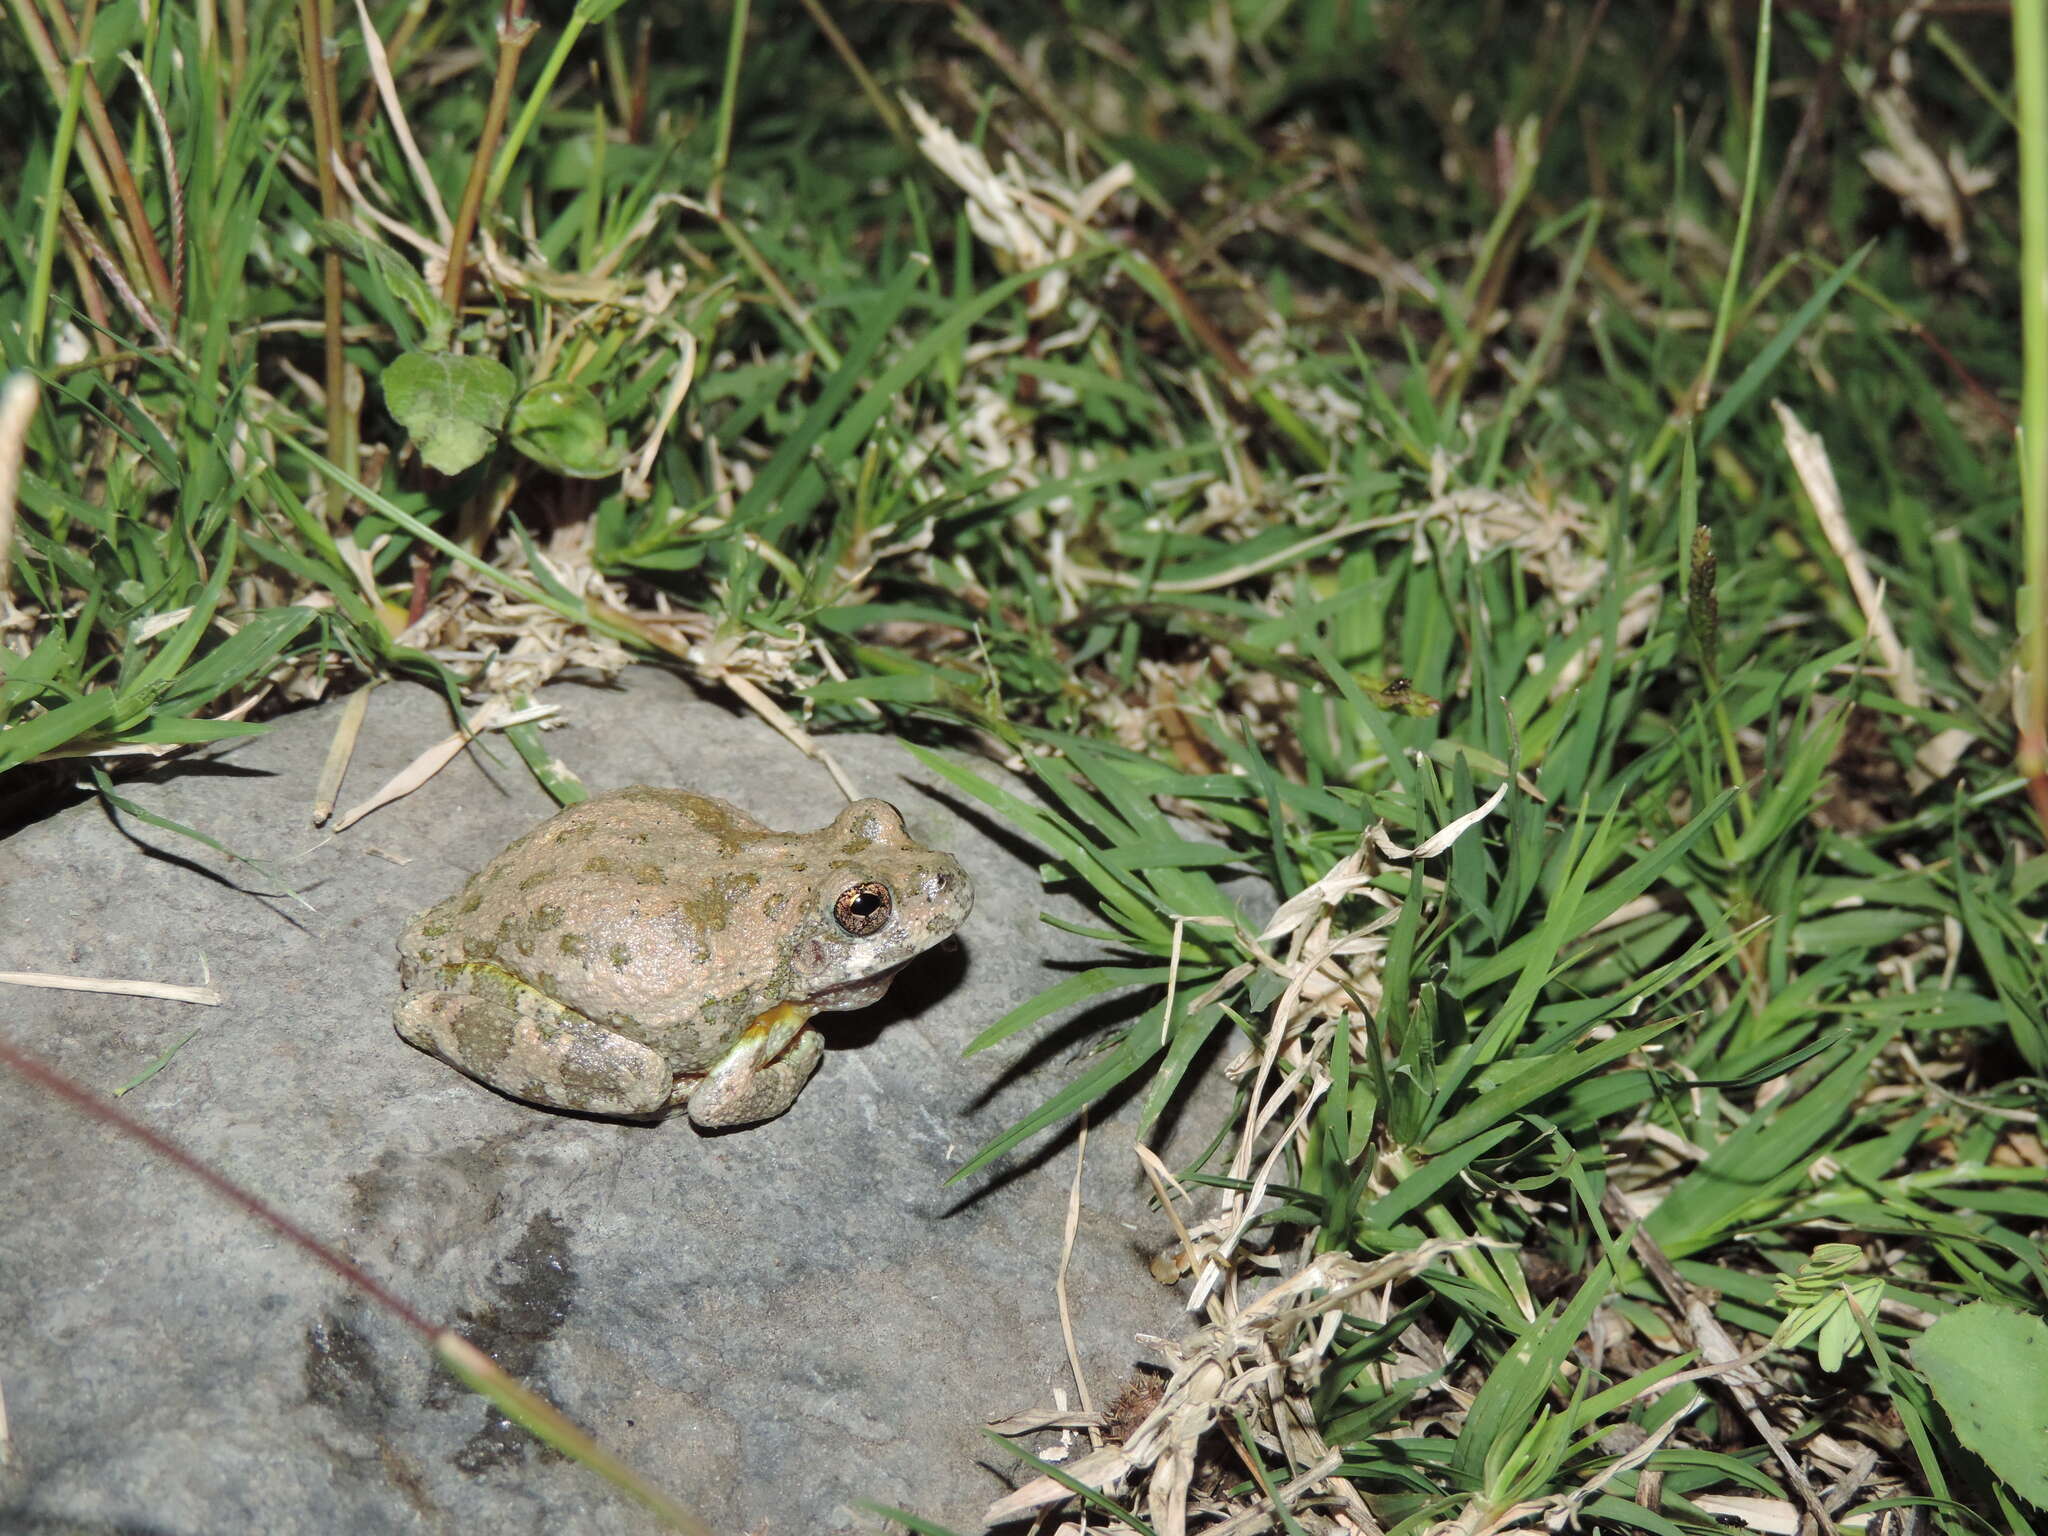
[880, 900]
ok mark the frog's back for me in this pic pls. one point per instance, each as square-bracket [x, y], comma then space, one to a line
[623, 893]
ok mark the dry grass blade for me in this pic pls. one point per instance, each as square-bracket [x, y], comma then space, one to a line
[1936, 189]
[639, 473]
[1566, 1511]
[394, 114]
[777, 717]
[167, 991]
[1430, 847]
[1035, 224]
[339, 751]
[1261, 1516]
[1817, 474]
[18, 397]
[1235, 1364]
[1184, 1256]
[1067, 1237]
[495, 715]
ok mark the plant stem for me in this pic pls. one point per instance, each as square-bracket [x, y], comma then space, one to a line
[514, 33]
[2030, 68]
[1738, 255]
[396, 48]
[514, 20]
[55, 74]
[877, 95]
[135, 217]
[53, 202]
[728, 102]
[320, 77]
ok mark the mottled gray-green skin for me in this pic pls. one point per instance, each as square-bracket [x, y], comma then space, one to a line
[651, 948]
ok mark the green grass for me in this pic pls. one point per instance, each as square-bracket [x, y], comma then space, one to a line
[1390, 446]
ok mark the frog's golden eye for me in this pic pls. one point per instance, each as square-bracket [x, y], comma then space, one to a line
[863, 909]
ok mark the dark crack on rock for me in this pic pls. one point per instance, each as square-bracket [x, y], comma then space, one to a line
[341, 1370]
[534, 1287]
[342, 1375]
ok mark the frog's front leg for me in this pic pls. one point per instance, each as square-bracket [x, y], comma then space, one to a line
[761, 1075]
[534, 1049]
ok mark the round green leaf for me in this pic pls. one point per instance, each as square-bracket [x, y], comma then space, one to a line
[561, 427]
[451, 405]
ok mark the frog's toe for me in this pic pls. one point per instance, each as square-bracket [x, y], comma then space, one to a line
[566, 1062]
[736, 1092]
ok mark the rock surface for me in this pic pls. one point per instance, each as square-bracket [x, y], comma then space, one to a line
[771, 1324]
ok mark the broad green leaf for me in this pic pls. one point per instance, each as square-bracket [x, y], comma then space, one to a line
[243, 655]
[1169, 853]
[140, 694]
[1190, 1033]
[185, 729]
[560, 426]
[1765, 1153]
[452, 406]
[1988, 1366]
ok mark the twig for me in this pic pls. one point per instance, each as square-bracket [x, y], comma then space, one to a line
[1697, 1321]
[1059, 1285]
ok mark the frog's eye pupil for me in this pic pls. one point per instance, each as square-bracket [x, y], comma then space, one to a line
[862, 909]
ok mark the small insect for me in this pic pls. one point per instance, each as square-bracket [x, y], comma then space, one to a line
[1724, 1518]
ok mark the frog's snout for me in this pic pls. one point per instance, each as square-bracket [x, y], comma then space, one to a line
[947, 886]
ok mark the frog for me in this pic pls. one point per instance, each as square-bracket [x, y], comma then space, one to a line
[653, 949]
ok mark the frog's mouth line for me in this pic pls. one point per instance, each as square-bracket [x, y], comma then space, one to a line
[857, 993]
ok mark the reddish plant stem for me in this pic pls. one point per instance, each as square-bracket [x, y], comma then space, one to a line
[43, 1075]
[514, 33]
[136, 216]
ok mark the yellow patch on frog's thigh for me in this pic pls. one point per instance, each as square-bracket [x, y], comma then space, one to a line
[772, 1029]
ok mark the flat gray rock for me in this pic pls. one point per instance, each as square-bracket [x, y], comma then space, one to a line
[771, 1324]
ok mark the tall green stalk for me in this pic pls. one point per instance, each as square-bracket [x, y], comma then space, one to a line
[1695, 403]
[728, 101]
[1738, 255]
[515, 28]
[2030, 67]
[53, 202]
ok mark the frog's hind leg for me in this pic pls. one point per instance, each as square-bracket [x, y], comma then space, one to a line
[559, 1059]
